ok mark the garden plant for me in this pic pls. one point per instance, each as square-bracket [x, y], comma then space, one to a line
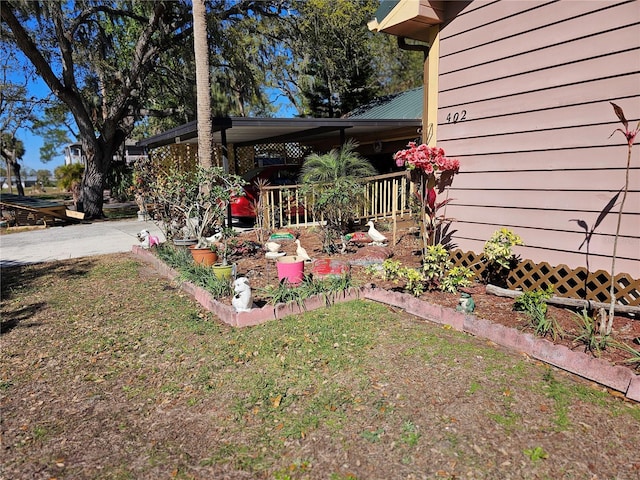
[431, 171]
[630, 136]
[187, 202]
[498, 256]
[334, 181]
[533, 303]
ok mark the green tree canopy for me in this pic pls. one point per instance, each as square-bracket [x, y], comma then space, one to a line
[328, 62]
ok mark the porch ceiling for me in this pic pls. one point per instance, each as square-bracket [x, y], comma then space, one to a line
[253, 131]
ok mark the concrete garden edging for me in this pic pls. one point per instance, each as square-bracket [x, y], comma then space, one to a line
[618, 378]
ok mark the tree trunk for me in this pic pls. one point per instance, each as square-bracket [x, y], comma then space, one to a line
[9, 175]
[91, 199]
[203, 83]
[98, 161]
[16, 171]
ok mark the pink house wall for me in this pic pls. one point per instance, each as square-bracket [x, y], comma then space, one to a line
[529, 83]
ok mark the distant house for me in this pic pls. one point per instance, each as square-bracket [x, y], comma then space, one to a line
[128, 153]
[519, 92]
[28, 181]
[73, 154]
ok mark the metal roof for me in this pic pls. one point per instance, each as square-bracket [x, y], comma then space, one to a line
[253, 131]
[406, 105]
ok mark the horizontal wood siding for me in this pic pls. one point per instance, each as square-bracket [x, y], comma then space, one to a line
[524, 92]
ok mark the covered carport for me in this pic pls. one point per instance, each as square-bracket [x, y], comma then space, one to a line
[243, 142]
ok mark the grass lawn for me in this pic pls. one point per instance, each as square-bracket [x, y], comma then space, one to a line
[108, 371]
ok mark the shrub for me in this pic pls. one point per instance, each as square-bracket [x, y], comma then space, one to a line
[456, 278]
[435, 264]
[499, 257]
[334, 181]
[67, 175]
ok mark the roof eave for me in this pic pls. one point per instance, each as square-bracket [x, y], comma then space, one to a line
[410, 19]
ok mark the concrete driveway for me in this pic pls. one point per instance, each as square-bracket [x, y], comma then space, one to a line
[72, 241]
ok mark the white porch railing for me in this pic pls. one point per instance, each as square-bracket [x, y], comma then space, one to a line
[385, 196]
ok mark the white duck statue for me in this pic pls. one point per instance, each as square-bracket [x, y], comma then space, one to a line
[376, 237]
[301, 252]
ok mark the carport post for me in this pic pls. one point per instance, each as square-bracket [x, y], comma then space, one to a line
[225, 166]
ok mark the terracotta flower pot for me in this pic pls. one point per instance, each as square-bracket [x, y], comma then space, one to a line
[203, 256]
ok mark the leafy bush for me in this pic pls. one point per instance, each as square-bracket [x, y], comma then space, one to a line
[499, 257]
[67, 175]
[389, 270]
[436, 272]
[120, 182]
[456, 278]
[415, 281]
[187, 203]
[435, 263]
[334, 181]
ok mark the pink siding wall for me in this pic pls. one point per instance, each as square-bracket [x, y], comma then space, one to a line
[529, 83]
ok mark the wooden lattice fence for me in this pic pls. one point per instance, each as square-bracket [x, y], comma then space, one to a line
[566, 282]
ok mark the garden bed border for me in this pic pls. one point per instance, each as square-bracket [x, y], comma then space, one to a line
[619, 378]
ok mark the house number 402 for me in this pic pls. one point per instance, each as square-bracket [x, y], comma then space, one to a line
[456, 117]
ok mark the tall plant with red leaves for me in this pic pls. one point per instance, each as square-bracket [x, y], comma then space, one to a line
[630, 135]
[430, 170]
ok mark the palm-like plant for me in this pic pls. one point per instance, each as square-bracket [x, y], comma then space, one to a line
[334, 180]
[336, 164]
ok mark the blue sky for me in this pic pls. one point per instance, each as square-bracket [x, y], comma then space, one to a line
[32, 143]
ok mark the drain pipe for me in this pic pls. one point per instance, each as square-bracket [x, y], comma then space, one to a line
[424, 48]
[416, 47]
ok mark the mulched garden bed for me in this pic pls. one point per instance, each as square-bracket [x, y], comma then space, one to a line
[262, 272]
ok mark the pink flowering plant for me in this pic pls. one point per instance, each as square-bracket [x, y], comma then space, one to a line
[431, 171]
[430, 160]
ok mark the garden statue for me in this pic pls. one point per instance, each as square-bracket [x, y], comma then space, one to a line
[242, 299]
[147, 239]
[272, 247]
[301, 252]
[353, 238]
[466, 303]
[376, 237]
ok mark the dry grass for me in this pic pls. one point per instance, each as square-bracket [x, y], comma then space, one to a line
[107, 371]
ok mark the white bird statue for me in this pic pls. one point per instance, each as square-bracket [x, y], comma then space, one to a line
[272, 246]
[301, 252]
[376, 237]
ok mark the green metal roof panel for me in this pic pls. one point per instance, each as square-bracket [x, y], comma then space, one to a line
[385, 8]
[398, 106]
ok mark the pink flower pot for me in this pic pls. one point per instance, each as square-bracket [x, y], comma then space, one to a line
[290, 268]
